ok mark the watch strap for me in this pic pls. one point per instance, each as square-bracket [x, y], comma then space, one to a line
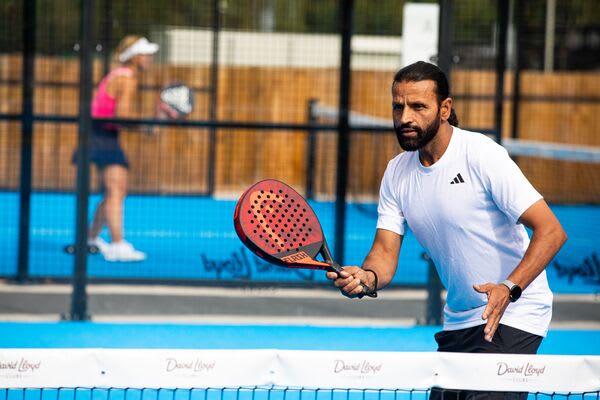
[509, 284]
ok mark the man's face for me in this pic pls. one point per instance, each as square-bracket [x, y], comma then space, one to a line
[416, 113]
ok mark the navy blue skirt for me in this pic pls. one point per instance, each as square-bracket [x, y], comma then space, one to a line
[105, 149]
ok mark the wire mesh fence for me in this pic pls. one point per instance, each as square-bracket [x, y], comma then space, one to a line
[257, 69]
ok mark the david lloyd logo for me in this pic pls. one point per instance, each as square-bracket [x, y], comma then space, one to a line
[197, 365]
[363, 367]
[526, 369]
[20, 365]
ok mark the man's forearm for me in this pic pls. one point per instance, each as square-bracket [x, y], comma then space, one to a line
[541, 250]
[380, 266]
[382, 259]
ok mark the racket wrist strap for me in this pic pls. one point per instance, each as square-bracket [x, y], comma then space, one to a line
[376, 281]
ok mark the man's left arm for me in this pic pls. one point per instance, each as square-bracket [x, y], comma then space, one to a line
[548, 237]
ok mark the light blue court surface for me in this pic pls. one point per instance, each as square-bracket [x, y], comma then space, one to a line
[193, 238]
[176, 336]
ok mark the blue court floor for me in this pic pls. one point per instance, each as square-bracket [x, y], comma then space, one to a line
[179, 336]
[192, 238]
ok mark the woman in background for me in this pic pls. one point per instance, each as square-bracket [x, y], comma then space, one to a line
[115, 99]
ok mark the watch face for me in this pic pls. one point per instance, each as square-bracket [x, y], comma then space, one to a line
[515, 293]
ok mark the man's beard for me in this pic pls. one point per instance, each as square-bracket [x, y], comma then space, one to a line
[423, 136]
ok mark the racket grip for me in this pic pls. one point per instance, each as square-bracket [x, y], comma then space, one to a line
[367, 291]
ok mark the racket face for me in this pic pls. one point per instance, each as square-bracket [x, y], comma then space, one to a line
[178, 97]
[276, 223]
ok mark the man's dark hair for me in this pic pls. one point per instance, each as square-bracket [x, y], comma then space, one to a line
[424, 71]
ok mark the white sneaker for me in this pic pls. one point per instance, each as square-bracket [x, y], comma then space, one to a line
[122, 251]
[99, 243]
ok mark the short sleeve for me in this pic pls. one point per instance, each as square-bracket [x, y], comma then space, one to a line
[510, 189]
[390, 216]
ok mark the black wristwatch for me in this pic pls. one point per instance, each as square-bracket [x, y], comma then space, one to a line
[514, 290]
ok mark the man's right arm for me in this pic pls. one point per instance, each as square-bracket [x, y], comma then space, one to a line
[382, 260]
[383, 256]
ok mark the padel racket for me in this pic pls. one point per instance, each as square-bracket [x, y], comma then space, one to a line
[277, 224]
[176, 101]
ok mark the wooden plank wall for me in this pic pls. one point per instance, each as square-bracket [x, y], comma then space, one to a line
[555, 107]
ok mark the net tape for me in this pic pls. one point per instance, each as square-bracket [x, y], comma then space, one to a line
[316, 370]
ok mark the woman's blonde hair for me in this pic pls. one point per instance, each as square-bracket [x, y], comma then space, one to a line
[124, 44]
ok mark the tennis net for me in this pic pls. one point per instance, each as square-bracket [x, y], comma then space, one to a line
[176, 374]
[564, 173]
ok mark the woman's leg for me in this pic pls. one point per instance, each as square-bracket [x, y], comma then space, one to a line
[99, 215]
[115, 190]
[114, 178]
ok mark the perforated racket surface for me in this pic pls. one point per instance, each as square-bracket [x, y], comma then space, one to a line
[276, 223]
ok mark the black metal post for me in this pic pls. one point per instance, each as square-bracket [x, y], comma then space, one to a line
[26, 138]
[434, 306]
[79, 296]
[343, 146]
[518, 56]
[107, 35]
[214, 94]
[502, 28]
[310, 150]
[445, 37]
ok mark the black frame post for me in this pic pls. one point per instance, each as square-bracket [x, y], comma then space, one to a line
[79, 296]
[445, 36]
[434, 304]
[310, 150]
[502, 28]
[214, 95]
[343, 145]
[106, 39]
[28, 82]
[518, 58]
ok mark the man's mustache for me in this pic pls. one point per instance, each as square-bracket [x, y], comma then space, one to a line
[404, 127]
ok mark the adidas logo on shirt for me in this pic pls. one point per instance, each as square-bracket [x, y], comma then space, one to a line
[457, 179]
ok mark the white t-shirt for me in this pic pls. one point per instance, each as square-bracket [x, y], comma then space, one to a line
[464, 210]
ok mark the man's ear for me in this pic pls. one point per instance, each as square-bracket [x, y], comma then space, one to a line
[446, 108]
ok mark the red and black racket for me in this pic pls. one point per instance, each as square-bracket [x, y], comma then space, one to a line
[277, 224]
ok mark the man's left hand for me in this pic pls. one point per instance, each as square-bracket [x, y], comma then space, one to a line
[498, 300]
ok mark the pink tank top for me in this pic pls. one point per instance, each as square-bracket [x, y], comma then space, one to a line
[103, 104]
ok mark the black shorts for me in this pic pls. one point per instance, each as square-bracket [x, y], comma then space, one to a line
[507, 340]
[105, 149]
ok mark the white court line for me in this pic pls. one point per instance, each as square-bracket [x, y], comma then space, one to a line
[582, 325]
[223, 320]
[298, 320]
[22, 317]
[262, 320]
[243, 292]
[577, 298]
[202, 291]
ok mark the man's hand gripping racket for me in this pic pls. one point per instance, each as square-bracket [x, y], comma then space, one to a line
[277, 224]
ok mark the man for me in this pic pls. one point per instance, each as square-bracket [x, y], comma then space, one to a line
[467, 203]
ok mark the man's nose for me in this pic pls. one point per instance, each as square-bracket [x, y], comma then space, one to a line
[406, 117]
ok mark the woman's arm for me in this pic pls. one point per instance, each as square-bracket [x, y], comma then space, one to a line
[125, 91]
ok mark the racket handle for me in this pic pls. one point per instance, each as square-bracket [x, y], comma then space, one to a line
[367, 291]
